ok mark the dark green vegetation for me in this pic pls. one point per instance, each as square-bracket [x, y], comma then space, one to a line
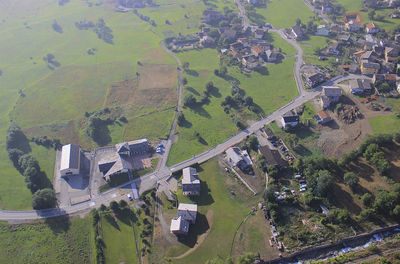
[122, 234]
[59, 240]
[362, 190]
[36, 181]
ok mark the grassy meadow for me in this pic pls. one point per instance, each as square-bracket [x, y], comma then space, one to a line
[219, 214]
[60, 240]
[283, 13]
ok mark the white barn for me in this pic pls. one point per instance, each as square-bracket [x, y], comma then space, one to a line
[70, 160]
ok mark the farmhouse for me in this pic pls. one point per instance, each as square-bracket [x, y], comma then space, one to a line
[297, 32]
[272, 157]
[239, 158]
[121, 161]
[187, 214]
[70, 160]
[330, 94]
[323, 30]
[314, 79]
[372, 28]
[290, 119]
[190, 182]
[370, 68]
[360, 86]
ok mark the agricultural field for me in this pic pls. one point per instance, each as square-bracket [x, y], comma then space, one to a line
[283, 13]
[219, 215]
[61, 240]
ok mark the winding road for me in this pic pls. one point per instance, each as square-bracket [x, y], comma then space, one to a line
[148, 181]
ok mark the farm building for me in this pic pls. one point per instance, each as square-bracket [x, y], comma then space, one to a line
[187, 214]
[360, 86]
[239, 158]
[70, 160]
[190, 182]
[324, 117]
[330, 94]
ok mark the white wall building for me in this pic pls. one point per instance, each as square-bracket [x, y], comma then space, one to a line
[70, 160]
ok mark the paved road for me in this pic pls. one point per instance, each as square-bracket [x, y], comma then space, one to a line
[150, 180]
[318, 12]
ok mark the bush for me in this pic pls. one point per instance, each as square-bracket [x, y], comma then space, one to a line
[367, 200]
[351, 179]
[43, 199]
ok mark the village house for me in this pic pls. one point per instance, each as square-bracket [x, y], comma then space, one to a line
[290, 119]
[257, 50]
[370, 42]
[372, 28]
[333, 49]
[70, 160]
[323, 117]
[312, 80]
[243, 41]
[330, 94]
[323, 30]
[187, 214]
[190, 182]
[121, 160]
[353, 26]
[369, 68]
[327, 8]
[369, 56]
[391, 54]
[250, 61]
[272, 157]
[297, 32]
[387, 78]
[360, 86]
[207, 41]
[238, 158]
[229, 33]
[259, 33]
[272, 55]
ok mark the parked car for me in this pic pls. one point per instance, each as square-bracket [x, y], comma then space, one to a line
[282, 148]
[293, 192]
[160, 145]
[303, 189]
[129, 197]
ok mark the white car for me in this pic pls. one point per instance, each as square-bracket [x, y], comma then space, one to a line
[303, 189]
[129, 197]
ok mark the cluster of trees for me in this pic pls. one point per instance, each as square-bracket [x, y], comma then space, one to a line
[103, 31]
[18, 151]
[98, 122]
[386, 203]
[239, 99]
[51, 62]
[98, 237]
[84, 25]
[47, 143]
[190, 100]
[377, 158]
[57, 27]
[181, 118]
[145, 18]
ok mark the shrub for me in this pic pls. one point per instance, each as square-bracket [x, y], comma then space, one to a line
[351, 179]
[367, 200]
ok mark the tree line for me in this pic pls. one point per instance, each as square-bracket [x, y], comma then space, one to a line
[36, 181]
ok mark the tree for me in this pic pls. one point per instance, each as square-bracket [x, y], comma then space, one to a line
[185, 65]
[248, 100]
[123, 204]
[370, 151]
[223, 71]
[209, 87]
[14, 155]
[292, 140]
[114, 206]
[324, 183]
[367, 200]
[298, 22]
[184, 81]
[253, 143]
[368, 214]
[371, 14]
[181, 118]
[248, 258]
[351, 179]
[43, 199]
[384, 202]
[384, 87]
[396, 211]
[189, 100]
[380, 163]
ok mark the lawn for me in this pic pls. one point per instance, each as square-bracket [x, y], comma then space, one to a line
[312, 43]
[283, 13]
[270, 90]
[279, 42]
[60, 240]
[218, 211]
[46, 158]
[385, 124]
[119, 241]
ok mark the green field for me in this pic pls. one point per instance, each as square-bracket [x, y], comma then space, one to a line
[279, 42]
[385, 124]
[270, 91]
[219, 211]
[356, 5]
[56, 241]
[119, 241]
[52, 102]
[283, 13]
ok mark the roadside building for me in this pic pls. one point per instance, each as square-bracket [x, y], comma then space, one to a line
[187, 214]
[239, 158]
[360, 86]
[70, 160]
[190, 182]
[315, 79]
[323, 30]
[330, 94]
[370, 68]
[290, 119]
[179, 226]
[297, 32]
